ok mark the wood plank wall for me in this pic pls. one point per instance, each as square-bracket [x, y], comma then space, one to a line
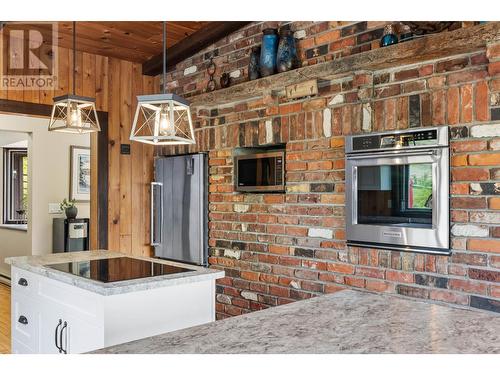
[114, 83]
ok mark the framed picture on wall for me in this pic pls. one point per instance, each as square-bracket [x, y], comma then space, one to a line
[79, 184]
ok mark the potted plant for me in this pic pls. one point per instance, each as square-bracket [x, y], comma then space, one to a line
[69, 208]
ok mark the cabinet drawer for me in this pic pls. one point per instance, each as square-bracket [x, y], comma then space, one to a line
[24, 321]
[19, 348]
[24, 282]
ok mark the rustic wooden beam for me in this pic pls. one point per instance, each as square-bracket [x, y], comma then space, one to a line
[430, 47]
[192, 44]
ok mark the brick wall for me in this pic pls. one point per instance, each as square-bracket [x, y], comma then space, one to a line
[278, 248]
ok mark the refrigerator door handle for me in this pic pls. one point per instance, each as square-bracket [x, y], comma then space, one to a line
[156, 238]
[190, 166]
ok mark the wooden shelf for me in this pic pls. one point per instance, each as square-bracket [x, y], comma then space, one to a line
[431, 47]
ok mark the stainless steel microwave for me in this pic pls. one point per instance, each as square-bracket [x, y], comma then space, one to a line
[260, 172]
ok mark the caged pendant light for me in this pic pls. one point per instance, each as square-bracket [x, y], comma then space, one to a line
[72, 113]
[162, 119]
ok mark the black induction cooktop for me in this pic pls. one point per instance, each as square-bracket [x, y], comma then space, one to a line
[117, 269]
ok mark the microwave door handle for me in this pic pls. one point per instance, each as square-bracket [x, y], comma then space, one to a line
[391, 154]
[156, 238]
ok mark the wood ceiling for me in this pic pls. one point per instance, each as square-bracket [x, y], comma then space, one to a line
[127, 40]
[136, 41]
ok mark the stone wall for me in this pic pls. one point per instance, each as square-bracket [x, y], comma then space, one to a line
[278, 248]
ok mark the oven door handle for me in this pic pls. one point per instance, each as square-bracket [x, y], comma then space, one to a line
[391, 154]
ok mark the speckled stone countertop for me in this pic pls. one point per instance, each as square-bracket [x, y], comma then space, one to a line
[345, 322]
[36, 264]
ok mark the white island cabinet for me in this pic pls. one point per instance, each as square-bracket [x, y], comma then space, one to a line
[55, 312]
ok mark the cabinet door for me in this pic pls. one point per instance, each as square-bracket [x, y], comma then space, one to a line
[71, 334]
[50, 323]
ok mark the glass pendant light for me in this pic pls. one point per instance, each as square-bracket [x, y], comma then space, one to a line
[72, 113]
[162, 119]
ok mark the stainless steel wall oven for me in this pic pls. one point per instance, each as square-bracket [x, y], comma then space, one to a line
[397, 190]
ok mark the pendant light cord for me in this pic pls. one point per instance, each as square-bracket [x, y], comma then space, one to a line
[164, 57]
[74, 57]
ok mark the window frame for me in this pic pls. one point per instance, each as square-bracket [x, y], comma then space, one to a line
[10, 157]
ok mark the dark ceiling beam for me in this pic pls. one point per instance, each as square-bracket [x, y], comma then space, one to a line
[207, 35]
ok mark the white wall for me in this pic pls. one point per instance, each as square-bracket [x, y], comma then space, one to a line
[49, 163]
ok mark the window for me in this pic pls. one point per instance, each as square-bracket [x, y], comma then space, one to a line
[419, 186]
[15, 185]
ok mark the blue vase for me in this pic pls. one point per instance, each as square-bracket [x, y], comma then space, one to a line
[268, 52]
[286, 57]
[389, 37]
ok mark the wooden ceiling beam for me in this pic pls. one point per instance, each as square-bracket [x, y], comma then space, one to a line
[207, 35]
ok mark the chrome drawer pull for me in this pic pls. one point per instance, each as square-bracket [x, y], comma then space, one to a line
[23, 282]
[23, 320]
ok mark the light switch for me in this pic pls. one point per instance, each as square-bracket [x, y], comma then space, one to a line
[54, 208]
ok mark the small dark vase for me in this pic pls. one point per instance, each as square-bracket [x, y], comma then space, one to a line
[406, 34]
[389, 37]
[253, 65]
[225, 80]
[286, 57]
[268, 52]
[71, 212]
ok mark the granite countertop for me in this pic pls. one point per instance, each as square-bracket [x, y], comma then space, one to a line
[348, 321]
[36, 264]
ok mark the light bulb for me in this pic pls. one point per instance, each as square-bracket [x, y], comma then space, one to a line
[166, 126]
[75, 116]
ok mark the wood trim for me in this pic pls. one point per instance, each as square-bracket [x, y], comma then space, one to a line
[101, 208]
[25, 108]
[192, 44]
[430, 47]
[102, 185]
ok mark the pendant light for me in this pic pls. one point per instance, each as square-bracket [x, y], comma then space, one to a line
[162, 119]
[72, 113]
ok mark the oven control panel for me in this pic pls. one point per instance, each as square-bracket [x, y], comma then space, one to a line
[395, 140]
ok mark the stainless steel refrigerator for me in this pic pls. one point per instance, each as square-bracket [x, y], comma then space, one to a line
[179, 208]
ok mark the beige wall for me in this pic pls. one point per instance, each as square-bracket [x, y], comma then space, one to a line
[49, 163]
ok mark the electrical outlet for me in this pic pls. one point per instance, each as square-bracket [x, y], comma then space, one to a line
[54, 208]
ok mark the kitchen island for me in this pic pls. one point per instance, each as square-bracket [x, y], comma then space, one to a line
[348, 321]
[81, 301]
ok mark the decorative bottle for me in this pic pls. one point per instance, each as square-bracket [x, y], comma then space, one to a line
[268, 52]
[389, 37]
[253, 65]
[405, 34]
[286, 58]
